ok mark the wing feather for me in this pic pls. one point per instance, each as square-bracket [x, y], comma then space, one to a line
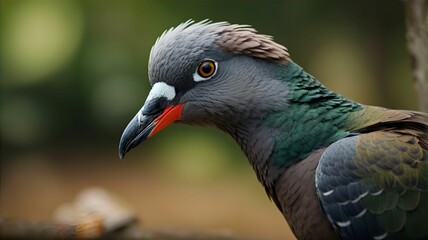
[375, 185]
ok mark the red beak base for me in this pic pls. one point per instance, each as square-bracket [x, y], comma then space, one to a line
[168, 116]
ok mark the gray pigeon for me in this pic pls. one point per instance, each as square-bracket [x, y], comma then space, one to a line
[335, 168]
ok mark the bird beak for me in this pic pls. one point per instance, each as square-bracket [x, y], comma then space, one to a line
[148, 121]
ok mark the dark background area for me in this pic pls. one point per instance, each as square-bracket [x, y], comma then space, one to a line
[73, 73]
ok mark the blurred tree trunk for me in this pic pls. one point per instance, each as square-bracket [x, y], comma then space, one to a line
[417, 44]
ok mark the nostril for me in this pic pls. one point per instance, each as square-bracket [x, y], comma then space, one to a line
[154, 107]
[151, 111]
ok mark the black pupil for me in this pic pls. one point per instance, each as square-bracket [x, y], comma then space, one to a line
[206, 68]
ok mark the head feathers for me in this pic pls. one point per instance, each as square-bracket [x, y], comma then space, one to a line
[234, 38]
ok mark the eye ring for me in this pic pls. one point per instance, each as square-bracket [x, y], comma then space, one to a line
[205, 70]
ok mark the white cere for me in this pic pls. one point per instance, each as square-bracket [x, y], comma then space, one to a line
[161, 89]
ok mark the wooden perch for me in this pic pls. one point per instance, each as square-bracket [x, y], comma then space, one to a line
[417, 44]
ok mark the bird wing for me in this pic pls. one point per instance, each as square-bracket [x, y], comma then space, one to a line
[375, 185]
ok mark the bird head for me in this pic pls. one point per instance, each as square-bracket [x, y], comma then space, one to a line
[207, 73]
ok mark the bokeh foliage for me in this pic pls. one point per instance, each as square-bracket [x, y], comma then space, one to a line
[75, 70]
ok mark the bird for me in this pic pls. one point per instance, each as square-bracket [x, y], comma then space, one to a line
[335, 168]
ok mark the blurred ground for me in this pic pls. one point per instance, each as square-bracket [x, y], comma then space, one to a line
[33, 185]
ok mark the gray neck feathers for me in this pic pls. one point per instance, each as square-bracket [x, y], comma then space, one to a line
[247, 92]
[257, 142]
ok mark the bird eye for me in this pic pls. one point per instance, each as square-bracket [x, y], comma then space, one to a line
[205, 70]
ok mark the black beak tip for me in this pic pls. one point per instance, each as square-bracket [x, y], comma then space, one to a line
[122, 153]
[128, 135]
[123, 148]
[134, 134]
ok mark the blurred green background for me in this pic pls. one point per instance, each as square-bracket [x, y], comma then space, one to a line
[73, 73]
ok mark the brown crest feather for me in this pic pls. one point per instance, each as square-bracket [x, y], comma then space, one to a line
[243, 39]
